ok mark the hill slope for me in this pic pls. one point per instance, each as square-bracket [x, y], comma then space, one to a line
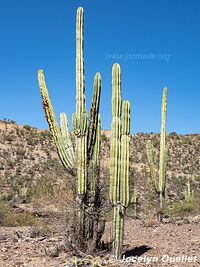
[28, 155]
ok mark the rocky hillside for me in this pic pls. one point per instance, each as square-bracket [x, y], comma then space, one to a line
[29, 162]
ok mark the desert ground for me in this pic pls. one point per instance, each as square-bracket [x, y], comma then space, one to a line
[26, 247]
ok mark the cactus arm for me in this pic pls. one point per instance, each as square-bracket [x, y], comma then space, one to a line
[152, 167]
[80, 117]
[95, 161]
[115, 135]
[97, 145]
[80, 80]
[162, 163]
[93, 124]
[66, 137]
[51, 119]
[125, 143]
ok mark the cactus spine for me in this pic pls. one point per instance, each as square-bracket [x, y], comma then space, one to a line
[87, 134]
[119, 160]
[160, 182]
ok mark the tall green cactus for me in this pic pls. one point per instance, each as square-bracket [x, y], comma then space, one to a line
[87, 134]
[119, 160]
[159, 181]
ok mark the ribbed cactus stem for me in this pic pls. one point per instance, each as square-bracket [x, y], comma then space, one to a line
[162, 165]
[115, 135]
[119, 160]
[80, 117]
[66, 155]
[96, 154]
[66, 136]
[80, 81]
[118, 224]
[93, 124]
[95, 162]
[125, 143]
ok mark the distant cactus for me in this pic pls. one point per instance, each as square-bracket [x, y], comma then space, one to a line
[189, 194]
[159, 181]
[119, 160]
[87, 133]
[135, 202]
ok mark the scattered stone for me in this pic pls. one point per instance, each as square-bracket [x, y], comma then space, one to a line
[182, 221]
[4, 249]
[34, 233]
[195, 220]
[19, 235]
[19, 263]
[52, 251]
[3, 238]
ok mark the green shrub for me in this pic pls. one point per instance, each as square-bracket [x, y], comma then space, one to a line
[182, 209]
[197, 178]
[20, 151]
[9, 137]
[44, 187]
[10, 219]
[104, 137]
[27, 127]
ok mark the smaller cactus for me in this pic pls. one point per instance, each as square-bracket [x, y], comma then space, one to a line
[119, 160]
[189, 194]
[159, 180]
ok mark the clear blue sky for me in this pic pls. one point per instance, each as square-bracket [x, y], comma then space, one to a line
[156, 42]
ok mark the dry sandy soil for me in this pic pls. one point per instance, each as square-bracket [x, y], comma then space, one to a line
[20, 247]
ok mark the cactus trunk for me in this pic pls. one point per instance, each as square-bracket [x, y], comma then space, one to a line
[92, 196]
[118, 227]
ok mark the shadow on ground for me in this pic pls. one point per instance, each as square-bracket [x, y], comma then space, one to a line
[137, 251]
